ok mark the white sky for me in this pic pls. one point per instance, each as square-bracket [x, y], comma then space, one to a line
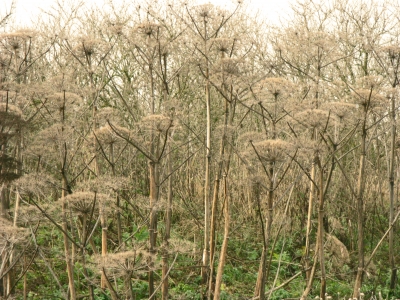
[26, 11]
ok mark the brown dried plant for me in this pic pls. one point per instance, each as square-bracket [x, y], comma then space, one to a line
[14, 41]
[273, 88]
[89, 46]
[104, 184]
[50, 140]
[314, 118]
[307, 148]
[110, 135]
[339, 253]
[149, 35]
[36, 184]
[108, 114]
[132, 262]
[342, 110]
[245, 139]
[368, 99]
[83, 203]
[115, 27]
[148, 29]
[10, 234]
[228, 71]
[159, 124]
[7, 109]
[224, 45]
[272, 151]
[392, 51]
[64, 81]
[176, 245]
[5, 61]
[63, 102]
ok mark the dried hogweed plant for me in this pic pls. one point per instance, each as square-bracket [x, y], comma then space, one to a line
[314, 118]
[133, 261]
[272, 151]
[111, 134]
[11, 235]
[86, 204]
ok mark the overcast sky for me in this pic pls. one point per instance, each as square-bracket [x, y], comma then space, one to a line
[26, 11]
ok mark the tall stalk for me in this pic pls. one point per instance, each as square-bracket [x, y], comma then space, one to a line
[360, 209]
[224, 248]
[67, 250]
[207, 211]
[321, 230]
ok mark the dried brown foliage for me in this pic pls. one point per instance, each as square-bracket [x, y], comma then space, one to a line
[10, 234]
[37, 184]
[272, 151]
[314, 118]
[83, 203]
[338, 251]
[133, 261]
[112, 134]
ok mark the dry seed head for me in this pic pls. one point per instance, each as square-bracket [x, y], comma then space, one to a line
[115, 27]
[223, 44]
[272, 151]
[121, 262]
[180, 246]
[307, 148]
[245, 140]
[148, 29]
[392, 51]
[229, 66]
[61, 101]
[371, 82]
[81, 203]
[24, 33]
[56, 134]
[368, 98]
[342, 110]
[106, 114]
[38, 184]
[228, 71]
[313, 118]
[157, 123]
[63, 82]
[204, 10]
[105, 184]
[111, 135]
[30, 214]
[10, 235]
[16, 39]
[274, 86]
[322, 40]
[88, 46]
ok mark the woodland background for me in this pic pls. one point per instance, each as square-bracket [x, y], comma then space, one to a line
[179, 151]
